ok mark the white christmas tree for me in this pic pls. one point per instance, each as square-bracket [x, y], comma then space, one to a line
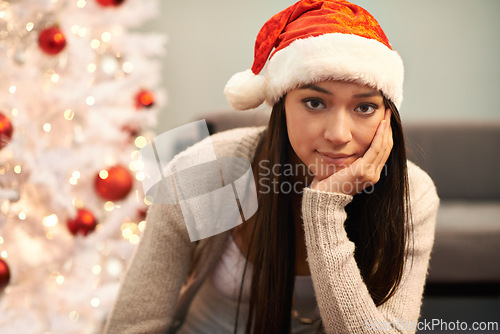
[78, 96]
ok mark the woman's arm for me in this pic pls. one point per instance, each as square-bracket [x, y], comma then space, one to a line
[343, 299]
[149, 292]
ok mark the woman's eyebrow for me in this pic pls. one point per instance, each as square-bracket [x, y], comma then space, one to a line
[316, 88]
[368, 94]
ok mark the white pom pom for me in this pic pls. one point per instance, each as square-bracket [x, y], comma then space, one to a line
[245, 90]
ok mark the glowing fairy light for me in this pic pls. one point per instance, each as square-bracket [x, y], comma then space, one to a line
[96, 270]
[50, 221]
[106, 36]
[69, 114]
[95, 44]
[128, 67]
[90, 100]
[140, 141]
[95, 302]
[103, 174]
[140, 176]
[30, 26]
[60, 279]
[109, 206]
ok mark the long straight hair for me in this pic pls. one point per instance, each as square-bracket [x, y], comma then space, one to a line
[376, 223]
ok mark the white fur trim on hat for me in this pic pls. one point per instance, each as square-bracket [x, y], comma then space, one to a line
[335, 57]
[245, 90]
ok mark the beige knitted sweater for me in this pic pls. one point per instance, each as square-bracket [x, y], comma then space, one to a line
[167, 269]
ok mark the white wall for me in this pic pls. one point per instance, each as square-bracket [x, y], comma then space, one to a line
[451, 51]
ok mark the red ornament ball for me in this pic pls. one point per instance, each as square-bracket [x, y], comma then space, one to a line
[5, 130]
[4, 275]
[110, 3]
[51, 40]
[114, 183]
[83, 223]
[144, 99]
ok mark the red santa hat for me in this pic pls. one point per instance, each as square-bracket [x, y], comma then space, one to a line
[315, 41]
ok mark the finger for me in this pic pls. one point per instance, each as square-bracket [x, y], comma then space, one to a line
[386, 144]
[376, 144]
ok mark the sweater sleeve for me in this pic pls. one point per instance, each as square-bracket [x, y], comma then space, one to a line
[150, 290]
[344, 301]
[148, 295]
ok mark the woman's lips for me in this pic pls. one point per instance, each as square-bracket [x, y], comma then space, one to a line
[334, 159]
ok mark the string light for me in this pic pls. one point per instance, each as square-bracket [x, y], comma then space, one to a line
[134, 239]
[30, 26]
[90, 100]
[17, 169]
[130, 231]
[127, 67]
[60, 279]
[77, 203]
[109, 206]
[82, 32]
[81, 3]
[103, 174]
[140, 176]
[47, 127]
[140, 141]
[96, 269]
[95, 44]
[12, 89]
[54, 78]
[135, 155]
[50, 221]
[106, 36]
[91, 68]
[95, 302]
[73, 315]
[74, 177]
[148, 200]
[69, 114]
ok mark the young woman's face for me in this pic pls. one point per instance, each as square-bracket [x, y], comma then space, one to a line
[332, 123]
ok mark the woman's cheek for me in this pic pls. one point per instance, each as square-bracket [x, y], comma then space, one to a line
[369, 133]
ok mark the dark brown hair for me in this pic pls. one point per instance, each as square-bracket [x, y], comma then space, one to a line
[376, 224]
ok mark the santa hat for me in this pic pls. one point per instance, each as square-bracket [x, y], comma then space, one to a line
[315, 41]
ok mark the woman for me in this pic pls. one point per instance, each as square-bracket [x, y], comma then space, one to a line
[344, 227]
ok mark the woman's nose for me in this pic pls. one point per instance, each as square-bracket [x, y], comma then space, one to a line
[337, 128]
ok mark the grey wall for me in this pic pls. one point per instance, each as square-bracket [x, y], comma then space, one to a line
[450, 48]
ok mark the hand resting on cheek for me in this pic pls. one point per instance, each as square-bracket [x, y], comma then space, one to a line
[366, 170]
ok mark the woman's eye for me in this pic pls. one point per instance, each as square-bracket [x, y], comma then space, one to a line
[314, 104]
[366, 108]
